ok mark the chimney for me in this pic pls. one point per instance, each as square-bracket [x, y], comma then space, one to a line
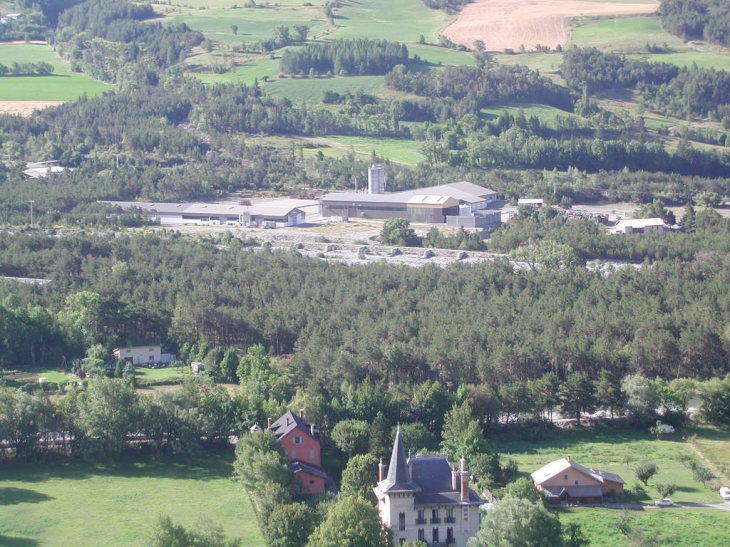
[268, 422]
[464, 480]
[454, 480]
[381, 471]
[311, 429]
[301, 413]
[568, 458]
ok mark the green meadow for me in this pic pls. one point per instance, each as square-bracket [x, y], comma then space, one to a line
[310, 90]
[440, 56]
[546, 114]
[397, 150]
[402, 20]
[253, 24]
[94, 505]
[620, 451]
[673, 526]
[625, 35]
[631, 35]
[63, 85]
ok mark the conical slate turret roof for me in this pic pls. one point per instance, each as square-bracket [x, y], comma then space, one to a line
[399, 474]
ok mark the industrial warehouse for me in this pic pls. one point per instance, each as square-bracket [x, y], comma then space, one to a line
[277, 213]
[457, 204]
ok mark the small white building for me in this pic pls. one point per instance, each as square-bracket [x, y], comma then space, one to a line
[639, 226]
[138, 355]
[423, 498]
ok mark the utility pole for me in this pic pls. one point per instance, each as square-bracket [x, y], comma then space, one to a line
[31, 212]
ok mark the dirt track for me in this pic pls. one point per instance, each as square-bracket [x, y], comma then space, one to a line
[24, 108]
[512, 24]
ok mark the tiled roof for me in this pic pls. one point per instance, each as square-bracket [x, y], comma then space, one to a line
[559, 466]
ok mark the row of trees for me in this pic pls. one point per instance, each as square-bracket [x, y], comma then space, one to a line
[26, 69]
[345, 57]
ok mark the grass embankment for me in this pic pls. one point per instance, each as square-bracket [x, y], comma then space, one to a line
[620, 452]
[62, 85]
[94, 505]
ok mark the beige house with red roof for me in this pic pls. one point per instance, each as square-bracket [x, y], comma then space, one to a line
[565, 481]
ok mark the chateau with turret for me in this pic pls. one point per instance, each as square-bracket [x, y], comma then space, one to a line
[423, 498]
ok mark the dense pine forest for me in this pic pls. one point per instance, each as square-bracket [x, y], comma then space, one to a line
[562, 320]
[162, 135]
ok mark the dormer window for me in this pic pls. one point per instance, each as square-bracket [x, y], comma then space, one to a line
[296, 440]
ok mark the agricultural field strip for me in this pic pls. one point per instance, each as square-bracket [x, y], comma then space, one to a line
[517, 24]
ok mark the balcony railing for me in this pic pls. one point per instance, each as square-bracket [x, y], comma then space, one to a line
[420, 521]
[450, 520]
[437, 520]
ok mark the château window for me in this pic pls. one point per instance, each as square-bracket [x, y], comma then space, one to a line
[401, 521]
[296, 440]
[421, 535]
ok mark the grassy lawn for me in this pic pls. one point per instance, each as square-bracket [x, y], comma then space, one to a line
[311, 90]
[548, 64]
[675, 526]
[395, 20]
[625, 35]
[397, 150]
[439, 55]
[620, 452]
[686, 59]
[253, 24]
[93, 505]
[63, 85]
[631, 35]
[546, 114]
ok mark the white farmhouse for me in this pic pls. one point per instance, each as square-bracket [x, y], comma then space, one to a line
[139, 355]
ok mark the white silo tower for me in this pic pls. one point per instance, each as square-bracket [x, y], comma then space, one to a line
[376, 179]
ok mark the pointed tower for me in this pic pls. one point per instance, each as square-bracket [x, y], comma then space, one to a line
[396, 491]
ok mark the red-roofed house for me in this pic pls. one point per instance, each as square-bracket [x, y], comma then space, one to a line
[300, 440]
[566, 481]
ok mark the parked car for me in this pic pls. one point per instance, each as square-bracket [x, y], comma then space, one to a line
[666, 428]
[725, 493]
[664, 502]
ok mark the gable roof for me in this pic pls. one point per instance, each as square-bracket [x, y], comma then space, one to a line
[298, 466]
[559, 466]
[289, 422]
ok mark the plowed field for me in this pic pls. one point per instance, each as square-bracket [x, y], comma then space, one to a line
[514, 24]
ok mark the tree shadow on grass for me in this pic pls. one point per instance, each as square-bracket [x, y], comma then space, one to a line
[7, 541]
[10, 495]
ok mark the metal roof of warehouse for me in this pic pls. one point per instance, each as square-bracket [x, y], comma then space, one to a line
[462, 191]
[269, 208]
